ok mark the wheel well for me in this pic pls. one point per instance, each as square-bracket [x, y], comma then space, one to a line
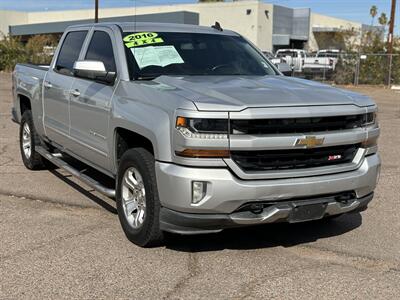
[24, 104]
[126, 139]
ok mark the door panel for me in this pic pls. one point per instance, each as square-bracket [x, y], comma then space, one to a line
[57, 85]
[56, 106]
[89, 113]
[90, 105]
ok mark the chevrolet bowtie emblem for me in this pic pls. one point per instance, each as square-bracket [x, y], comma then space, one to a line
[309, 141]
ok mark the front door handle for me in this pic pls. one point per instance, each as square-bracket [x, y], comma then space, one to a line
[75, 93]
[47, 84]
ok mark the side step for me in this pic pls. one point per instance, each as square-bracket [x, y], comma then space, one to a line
[76, 173]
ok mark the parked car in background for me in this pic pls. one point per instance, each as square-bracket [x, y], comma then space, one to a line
[295, 58]
[322, 64]
[280, 63]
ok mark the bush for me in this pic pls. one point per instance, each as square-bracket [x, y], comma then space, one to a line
[13, 51]
[35, 48]
[374, 69]
[345, 69]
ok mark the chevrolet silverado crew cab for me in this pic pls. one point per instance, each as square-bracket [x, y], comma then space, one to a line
[198, 130]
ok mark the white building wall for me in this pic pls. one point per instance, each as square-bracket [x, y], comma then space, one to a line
[264, 26]
[10, 17]
[232, 15]
[318, 20]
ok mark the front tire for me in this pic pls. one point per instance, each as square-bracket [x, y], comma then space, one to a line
[137, 199]
[28, 140]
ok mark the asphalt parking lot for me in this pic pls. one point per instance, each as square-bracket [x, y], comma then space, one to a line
[58, 239]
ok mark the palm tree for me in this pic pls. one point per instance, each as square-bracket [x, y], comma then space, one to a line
[383, 20]
[373, 11]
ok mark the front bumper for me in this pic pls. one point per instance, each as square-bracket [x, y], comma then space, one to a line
[226, 193]
[189, 223]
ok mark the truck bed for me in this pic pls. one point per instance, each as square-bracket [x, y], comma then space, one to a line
[35, 66]
[27, 81]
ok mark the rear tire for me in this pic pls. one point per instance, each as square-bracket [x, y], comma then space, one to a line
[28, 140]
[137, 199]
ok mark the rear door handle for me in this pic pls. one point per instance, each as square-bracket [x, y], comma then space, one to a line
[75, 93]
[47, 84]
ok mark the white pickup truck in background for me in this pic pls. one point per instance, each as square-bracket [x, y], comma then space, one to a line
[322, 64]
[280, 63]
[295, 58]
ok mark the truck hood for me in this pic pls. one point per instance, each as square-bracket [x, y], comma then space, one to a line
[236, 93]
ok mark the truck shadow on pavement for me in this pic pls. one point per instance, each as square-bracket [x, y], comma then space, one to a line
[87, 193]
[266, 236]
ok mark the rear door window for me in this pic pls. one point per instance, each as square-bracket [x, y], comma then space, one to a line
[69, 52]
[100, 49]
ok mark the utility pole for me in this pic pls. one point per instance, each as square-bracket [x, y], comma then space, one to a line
[390, 41]
[96, 11]
[391, 27]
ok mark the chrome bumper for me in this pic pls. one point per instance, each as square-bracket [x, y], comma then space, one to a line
[284, 211]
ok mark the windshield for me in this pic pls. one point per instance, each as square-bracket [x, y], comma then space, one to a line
[151, 54]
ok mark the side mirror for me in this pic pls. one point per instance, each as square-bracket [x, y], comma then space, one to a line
[94, 70]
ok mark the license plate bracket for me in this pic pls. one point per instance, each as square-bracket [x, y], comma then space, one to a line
[307, 212]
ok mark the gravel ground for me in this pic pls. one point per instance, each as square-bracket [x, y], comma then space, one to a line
[59, 239]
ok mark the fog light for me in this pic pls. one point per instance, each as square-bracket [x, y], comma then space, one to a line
[199, 189]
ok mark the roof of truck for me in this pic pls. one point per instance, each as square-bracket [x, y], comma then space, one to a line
[160, 27]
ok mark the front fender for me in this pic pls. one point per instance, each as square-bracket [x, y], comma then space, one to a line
[149, 121]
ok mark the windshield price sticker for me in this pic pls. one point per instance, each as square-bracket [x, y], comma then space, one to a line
[161, 56]
[142, 38]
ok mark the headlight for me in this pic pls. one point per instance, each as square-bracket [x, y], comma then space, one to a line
[210, 129]
[202, 128]
[370, 119]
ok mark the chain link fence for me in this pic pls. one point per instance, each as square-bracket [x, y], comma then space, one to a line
[359, 68]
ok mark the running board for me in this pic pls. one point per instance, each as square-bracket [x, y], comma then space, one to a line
[76, 173]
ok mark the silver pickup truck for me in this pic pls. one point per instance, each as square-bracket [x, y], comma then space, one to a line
[198, 130]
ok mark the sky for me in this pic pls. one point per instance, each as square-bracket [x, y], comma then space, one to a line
[356, 10]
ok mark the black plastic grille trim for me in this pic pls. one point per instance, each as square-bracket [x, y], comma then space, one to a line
[297, 125]
[267, 160]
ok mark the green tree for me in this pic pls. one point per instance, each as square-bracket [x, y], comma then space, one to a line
[373, 11]
[383, 20]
